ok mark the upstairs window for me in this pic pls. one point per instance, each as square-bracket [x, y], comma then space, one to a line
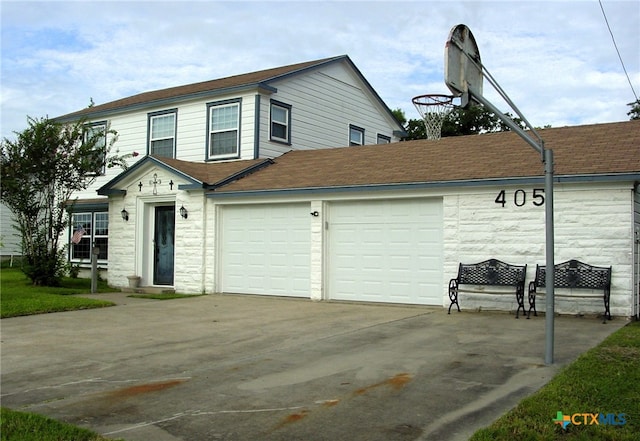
[280, 122]
[356, 135]
[97, 134]
[382, 139]
[162, 133]
[224, 130]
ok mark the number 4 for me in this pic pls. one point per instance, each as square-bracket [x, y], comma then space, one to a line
[501, 198]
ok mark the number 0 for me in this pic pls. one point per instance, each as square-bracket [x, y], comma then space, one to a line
[519, 200]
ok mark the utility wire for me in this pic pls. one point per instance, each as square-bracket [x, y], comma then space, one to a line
[616, 46]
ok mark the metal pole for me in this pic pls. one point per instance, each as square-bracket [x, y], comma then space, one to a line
[550, 270]
[94, 269]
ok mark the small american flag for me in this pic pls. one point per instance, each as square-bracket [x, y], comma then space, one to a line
[77, 235]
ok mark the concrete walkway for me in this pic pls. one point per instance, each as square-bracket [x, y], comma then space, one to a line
[224, 367]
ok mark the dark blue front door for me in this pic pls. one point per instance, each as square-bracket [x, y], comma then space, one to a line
[163, 244]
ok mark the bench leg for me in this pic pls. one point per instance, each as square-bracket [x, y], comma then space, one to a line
[532, 305]
[607, 312]
[520, 300]
[453, 296]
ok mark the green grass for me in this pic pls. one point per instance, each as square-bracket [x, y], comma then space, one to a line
[22, 426]
[603, 380]
[19, 297]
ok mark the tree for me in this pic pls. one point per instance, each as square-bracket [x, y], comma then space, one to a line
[634, 113]
[460, 121]
[41, 170]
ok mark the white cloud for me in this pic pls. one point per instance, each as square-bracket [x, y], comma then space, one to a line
[555, 59]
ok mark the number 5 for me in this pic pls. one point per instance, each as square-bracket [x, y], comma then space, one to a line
[538, 196]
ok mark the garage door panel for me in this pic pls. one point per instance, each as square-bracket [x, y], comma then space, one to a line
[265, 249]
[386, 251]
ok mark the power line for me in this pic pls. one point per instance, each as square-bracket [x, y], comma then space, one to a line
[616, 46]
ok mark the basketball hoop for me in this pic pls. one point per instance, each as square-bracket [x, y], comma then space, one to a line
[433, 109]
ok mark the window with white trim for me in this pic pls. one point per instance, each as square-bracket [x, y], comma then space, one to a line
[382, 139]
[89, 229]
[224, 130]
[96, 133]
[162, 133]
[280, 122]
[356, 135]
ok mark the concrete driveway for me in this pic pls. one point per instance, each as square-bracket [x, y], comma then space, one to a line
[224, 367]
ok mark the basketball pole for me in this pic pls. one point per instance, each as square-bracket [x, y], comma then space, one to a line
[547, 159]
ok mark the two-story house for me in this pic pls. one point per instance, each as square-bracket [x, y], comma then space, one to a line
[261, 184]
[195, 137]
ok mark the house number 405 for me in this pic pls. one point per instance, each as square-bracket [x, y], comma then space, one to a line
[520, 197]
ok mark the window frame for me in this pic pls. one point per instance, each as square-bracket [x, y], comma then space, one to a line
[210, 109]
[88, 130]
[88, 240]
[287, 125]
[355, 129]
[151, 117]
[384, 138]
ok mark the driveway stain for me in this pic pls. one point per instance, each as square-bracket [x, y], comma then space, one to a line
[396, 382]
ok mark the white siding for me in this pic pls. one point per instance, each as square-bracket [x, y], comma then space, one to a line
[9, 236]
[636, 220]
[324, 103]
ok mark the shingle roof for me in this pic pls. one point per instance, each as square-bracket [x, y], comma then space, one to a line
[236, 81]
[611, 148]
[213, 173]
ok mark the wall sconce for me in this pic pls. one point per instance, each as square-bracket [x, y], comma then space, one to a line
[183, 212]
[315, 214]
[125, 215]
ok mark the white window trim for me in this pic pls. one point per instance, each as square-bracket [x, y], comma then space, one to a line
[210, 108]
[88, 131]
[356, 129]
[152, 117]
[286, 124]
[91, 236]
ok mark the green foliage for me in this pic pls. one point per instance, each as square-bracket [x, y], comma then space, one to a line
[41, 170]
[634, 113]
[460, 121]
[604, 380]
[19, 297]
[25, 426]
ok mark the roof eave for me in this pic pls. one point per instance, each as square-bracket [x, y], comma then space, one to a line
[528, 180]
[260, 87]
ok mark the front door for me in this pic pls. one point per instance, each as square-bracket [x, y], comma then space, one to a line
[163, 245]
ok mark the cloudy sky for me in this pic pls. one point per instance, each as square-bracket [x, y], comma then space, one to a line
[555, 59]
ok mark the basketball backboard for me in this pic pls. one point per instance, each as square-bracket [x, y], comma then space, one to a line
[462, 65]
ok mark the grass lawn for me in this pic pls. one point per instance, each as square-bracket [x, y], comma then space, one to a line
[604, 380]
[19, 297]
[21, 426]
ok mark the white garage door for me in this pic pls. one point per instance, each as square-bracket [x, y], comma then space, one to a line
[386, 251]
[265, 249]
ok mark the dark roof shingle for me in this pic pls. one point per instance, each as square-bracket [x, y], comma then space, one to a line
[611, 148]
[252, 78]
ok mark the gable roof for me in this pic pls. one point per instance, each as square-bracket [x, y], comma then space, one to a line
[259, 79]
[580, 151]
[200, 175]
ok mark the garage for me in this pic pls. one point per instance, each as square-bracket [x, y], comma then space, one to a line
[386, 251]
[265, 249]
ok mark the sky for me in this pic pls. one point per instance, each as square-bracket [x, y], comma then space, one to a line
[556, 60]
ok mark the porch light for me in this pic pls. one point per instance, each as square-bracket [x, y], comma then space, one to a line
[125, 214]
[183, 212]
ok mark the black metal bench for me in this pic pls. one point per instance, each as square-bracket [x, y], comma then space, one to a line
[491, 272]
[573, 274]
